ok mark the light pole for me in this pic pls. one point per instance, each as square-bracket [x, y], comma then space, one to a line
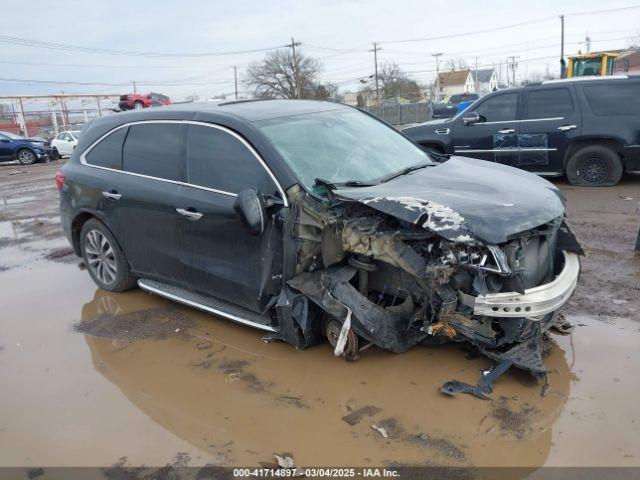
[437, 56]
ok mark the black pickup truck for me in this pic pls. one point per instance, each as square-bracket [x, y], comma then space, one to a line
[587, 128]
[450, 108]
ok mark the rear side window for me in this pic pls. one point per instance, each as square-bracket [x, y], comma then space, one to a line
[549, 103]
[157, 150]
[218, 160]
[108, 151]
[499, 108]
[614, 98]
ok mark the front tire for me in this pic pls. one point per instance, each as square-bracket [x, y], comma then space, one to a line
[138, 106]
[594, 166]
[26, 157]
[55, 155]
[104, 259]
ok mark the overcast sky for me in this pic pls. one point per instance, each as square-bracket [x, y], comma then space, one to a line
[339, 33]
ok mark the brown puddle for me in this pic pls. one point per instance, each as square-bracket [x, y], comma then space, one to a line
[89, 377]
[202, 385]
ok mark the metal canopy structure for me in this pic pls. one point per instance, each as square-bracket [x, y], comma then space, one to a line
[53, 99]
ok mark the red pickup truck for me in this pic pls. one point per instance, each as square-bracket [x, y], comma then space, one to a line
[136, 101]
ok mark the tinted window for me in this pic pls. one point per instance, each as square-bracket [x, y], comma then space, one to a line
[220, 161]
[108, 152]
[549, 103]
[499, 108]
[157, 150]
[614, 98]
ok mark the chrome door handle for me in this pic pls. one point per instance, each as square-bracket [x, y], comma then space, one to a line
[112, 195]
[565, 128]
[507, 130]
[191, 215]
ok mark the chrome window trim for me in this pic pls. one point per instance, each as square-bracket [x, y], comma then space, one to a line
[247, 145]
[548, 119]
[531, 149]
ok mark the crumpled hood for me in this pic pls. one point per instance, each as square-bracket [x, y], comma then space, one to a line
[464, 199]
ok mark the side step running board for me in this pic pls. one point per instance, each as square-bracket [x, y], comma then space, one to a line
[208, 304]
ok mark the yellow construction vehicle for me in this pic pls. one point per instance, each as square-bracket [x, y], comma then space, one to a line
[597, 63]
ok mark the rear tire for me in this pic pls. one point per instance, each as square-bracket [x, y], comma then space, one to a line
[26, 156]
[594, 166]
[104, 259]
[138, 106]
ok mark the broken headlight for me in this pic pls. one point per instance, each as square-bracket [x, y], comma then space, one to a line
[490, 258]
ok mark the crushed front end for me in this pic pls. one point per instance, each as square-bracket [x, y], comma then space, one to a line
[401, 271]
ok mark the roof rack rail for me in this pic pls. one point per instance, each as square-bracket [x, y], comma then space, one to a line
[586, 79]
[246, 100]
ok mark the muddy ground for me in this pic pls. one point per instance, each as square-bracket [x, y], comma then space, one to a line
[90, 378]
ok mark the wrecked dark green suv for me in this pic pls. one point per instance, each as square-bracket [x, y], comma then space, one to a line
[313, 220]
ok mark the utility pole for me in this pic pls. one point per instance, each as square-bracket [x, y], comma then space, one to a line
[24, 119]
[134, 86]
[375, 61]
[513, 69]
[437, 56]
[563, 65]
[476, 82]
[235, 80]
[296, 71]
[587, 42]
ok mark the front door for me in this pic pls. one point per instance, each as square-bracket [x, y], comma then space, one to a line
[220, 258]
[65, 144]
[551, 121]
[495, 136]
[5, 147]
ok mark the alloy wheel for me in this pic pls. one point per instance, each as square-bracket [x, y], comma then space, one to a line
[101, 257]
[26, 157]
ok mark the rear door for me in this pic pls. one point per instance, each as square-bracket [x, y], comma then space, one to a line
[495, 136]
[550, 122]
[219, 257]
[143, 198]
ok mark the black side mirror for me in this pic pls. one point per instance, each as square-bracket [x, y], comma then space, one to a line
[470, 118]
[250, 208]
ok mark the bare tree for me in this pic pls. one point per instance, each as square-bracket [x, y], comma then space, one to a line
[192, 97]
[395, 84]
[276, 75]
[388, 73]
[455, 64]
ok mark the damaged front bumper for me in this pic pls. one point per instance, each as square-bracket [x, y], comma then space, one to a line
[535, 302]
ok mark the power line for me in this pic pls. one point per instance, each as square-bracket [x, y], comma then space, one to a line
[106, 65]
[107, 84]
[505, 27]
[76, 48]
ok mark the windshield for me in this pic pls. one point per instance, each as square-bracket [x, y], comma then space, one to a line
[340, 146]
[587, 66]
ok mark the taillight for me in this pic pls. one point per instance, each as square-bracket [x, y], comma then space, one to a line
[59, 180]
